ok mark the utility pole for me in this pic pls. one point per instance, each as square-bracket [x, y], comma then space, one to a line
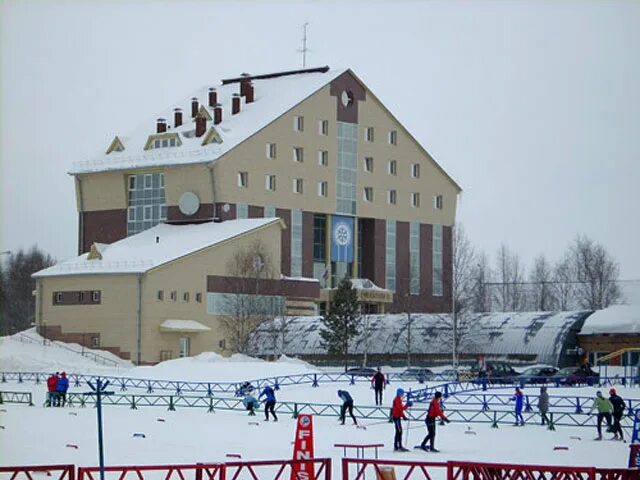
[304, 48]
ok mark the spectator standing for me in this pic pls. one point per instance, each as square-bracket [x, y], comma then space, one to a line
[62, 386]
[618, 411]
[52, 385]
[347, 404]
[270, 403]
[397, 415]
[604, 407]
[543, 405]
[379, 383]
[518, 397]
[435, 411]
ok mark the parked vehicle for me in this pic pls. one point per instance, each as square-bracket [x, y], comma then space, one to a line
[576, 376]
[538, 374]
[497, 372]
[361, 371]
[418, 374]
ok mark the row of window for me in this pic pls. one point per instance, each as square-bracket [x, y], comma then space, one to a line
[173, 296]
[323, 129]
[82, 297]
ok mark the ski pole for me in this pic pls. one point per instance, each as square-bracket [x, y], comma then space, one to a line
[406, 436]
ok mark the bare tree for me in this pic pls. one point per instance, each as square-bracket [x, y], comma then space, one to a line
[597, 274]
[510, 273]
[280, 330]
[462, 287]
[246, 309]
[481, 279]
[541, 279]
[405, 304]
[563, 283]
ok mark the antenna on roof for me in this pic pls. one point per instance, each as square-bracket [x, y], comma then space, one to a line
[304, 48]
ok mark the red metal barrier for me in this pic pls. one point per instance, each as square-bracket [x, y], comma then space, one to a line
[280, 469]
[423, 470]
[508, 471]
[65, 472]
[617, 474]
[197, 471]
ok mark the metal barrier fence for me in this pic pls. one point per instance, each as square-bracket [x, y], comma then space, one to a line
[198, 471]
[55, 472]
[16, 397]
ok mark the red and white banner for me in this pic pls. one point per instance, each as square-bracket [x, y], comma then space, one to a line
[303, 448]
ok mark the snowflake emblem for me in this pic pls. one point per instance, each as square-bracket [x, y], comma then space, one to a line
[342, 234]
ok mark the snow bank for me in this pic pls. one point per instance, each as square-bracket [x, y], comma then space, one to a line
[614, 319]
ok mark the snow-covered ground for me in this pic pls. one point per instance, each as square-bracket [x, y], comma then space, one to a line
[38, 435]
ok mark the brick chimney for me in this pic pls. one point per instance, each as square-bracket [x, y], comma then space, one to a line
[213, 97]
[177, 117]
[194, 107]
[243, 84]
[161, 125]
[235, 104]
[248, 90]
[201, 125]
[217, 114]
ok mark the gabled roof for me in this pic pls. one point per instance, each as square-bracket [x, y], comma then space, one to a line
[273, 97]
[154, 247]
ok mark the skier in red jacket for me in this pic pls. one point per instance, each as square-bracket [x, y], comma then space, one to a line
[397, 414]
[52, 384]
[434, 412]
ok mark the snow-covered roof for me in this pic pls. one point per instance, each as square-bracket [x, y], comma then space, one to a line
[365, 284]
[272, 98]
[155, 246]
[545, 335]
[614, 319]
[191, 326]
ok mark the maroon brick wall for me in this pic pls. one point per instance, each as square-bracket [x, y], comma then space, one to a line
[347, 82]
[55, 333]
[203, 214]
[289, 288]
[307, 244]
[285, 249]
[77, 297]
[400, 299]
[256, 212]
[426, 266]
[102, 226]
[379, 252]
[222, 215]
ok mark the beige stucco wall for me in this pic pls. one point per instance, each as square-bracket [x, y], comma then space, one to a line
[115, 318]
[102, 191]
[187, 178]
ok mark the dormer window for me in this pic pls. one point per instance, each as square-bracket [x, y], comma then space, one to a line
[115, 146]
[162, 140]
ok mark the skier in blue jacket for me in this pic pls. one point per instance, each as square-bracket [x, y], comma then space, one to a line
[61, 389]
[519, 399]
[347, 404]
[269, 405]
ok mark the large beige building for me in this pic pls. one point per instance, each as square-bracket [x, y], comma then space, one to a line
[355, 192]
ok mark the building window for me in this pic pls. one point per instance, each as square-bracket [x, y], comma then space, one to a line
[80, 297]
[297, 185]
[160, 295]
[298, 154]
[96, 296]
[393, 137]
[391, 197]
[390, 261]
[146, 204]
[58, 297]
[185, 297]
[368, 164]
[298, 123]
[414, 258]
[415, 170]
[242, 210]
[415, 199]
[323, 188]
[323, 158]
[437, 202]
[346, 168]
[185, 347]
[368, 134]
[243, 179]
[270, 182]
[437, 261]
[296, 242]
[199, 297]
[269, 211]
[271, 150]
[173, 296]
[320, 239]
[95, 341]
[323, 127]
[368, 194]
[392, 167]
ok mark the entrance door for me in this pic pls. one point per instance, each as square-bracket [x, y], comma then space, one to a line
[185, 345]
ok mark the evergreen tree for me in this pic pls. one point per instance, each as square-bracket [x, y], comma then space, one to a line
[342, 323]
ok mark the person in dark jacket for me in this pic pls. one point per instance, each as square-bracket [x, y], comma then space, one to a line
[61, 389]
[543, 405]
[433, 413]
[270, 403]
[347, 404]
[519, 399]
[397, 415]
[618, 411]
[52, 384]
[378, 382]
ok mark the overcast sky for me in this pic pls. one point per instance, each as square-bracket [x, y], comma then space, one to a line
[532, 107]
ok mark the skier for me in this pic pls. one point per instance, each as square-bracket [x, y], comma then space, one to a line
[346, 405]
[378, 382]
[618, 412]
[604, 412]
[543, 405]
[250, 403]
[397, 414]
[433, 413]
[62, 386]
[270, 404]
[52, 384]
[519, 398]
